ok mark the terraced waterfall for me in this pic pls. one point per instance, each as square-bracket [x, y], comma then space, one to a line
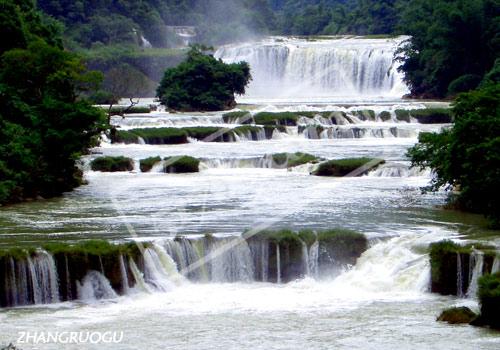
[244, 245]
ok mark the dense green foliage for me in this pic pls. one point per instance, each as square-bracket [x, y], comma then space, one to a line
[44, 125]
[467, 156]
[130, 22]
[347, 167]
[203, 83]
[454, 44]
[112, 164]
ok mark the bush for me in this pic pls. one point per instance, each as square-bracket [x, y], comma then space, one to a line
[112, 164]
[432, 115]
[464, 83]
[148, 163]
[184, 164]
[203, 83]
[347, 167]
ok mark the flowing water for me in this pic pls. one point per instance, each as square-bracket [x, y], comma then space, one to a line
[229, 302]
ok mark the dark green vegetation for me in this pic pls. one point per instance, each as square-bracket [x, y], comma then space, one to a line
[183, 164]
[44, 123]
[153, 136]
[444, 259]
[112, 164]
[147, 164]
[467, 156]
[120, 110]
[203, 83]
[290, 160]
[454, 45]
[241, 117]
[347, 167]
[282, 118]
[489, 298]
[457, 315]
[425, 116]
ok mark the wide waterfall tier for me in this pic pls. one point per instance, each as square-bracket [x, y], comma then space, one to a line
[332, 67]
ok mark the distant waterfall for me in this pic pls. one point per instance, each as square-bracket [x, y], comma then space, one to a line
[288, 67]
[476, 270]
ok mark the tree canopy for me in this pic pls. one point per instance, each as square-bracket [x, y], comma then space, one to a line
[467, 156]
[44, 124]
[203, 83]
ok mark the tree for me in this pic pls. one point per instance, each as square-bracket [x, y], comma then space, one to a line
[44, 124]
[467, 156]
[203, 83]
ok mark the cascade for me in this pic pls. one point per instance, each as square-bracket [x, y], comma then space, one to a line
[343, 67]
[313, 257]
[95, 286]
[155, 273]
[278, 264]
[496, 265]
[460, 282]
[124, 275]
[475, 271]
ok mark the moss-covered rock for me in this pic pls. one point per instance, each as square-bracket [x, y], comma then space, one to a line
[282, 118]
[339, 248]
[457, 315]
[347, 167]
[240, 117]
[123, 136]
[183, 164]
[489, 298]
[112, 164]
[444, 267]
[366, 114]
[152, 136]
[147, 164]
[425, 116]
[403, 115]
[385, 116]
[290, 160]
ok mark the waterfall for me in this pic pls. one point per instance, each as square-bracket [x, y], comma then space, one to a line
[496, 265]
[313, 259]
[305, 259]
[95, 286]
[124, 276]
[155, 273]
[231, 265]
[138, 277]
[69, 292]
[460, 282]
[278, 264]
[289, 67]
[475, 271]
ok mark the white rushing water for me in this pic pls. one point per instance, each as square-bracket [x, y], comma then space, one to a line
[343, 67]
[172, 301]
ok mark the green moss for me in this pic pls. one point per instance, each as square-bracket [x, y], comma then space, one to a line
[403, 115]
[184, 164]
[385, 116]
[365, 114]
[242, 117]
[294, 159]
[307, 236]
[339, 234]
[457, 315]
[119, 110]
[162, 136]
[346, 167]
[112, 164]
[339, 247]
[282, 118]
[148, 163]
[123, 136]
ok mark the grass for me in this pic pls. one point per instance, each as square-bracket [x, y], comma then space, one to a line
[202, 132]
[119, 110]
[308, 237]
[124, 136]
[340, 235]
[184, 164]
[112, 164]
[148, 163]
[345, 167]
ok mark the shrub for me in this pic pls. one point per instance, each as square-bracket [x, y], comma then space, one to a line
[203, 83]
[347, 167]
[464, 83]
[148, 163]
[112, 164]
[184, 164]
